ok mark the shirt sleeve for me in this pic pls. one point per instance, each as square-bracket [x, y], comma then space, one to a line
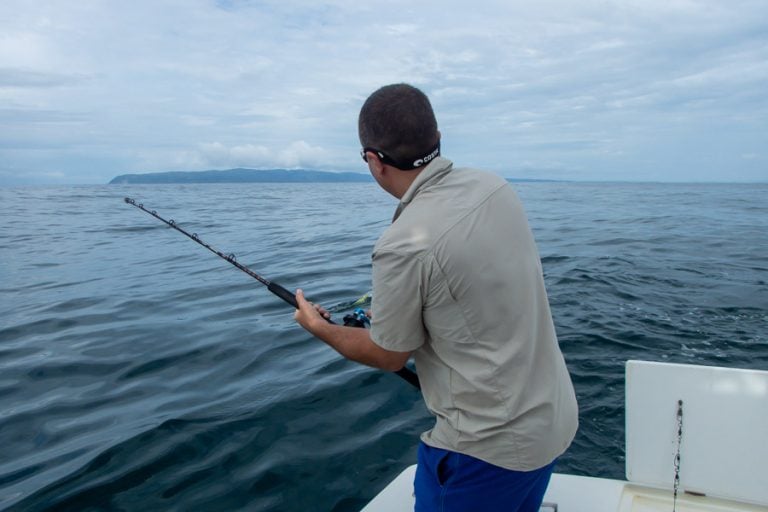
[399, 284]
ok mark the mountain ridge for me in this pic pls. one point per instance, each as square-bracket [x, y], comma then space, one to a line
[242, 175]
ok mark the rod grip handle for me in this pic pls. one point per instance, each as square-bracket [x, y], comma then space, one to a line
[409, 376]
[283, 293]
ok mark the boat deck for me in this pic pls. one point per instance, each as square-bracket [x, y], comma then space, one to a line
[571, 493]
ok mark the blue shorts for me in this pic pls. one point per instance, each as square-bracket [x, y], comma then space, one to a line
[453, 482]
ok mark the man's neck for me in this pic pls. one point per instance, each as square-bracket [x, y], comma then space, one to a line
[404, 179]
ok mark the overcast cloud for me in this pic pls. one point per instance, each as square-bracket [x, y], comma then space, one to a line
[663, 90]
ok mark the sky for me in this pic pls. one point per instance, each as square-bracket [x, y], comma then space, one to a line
[636, 90]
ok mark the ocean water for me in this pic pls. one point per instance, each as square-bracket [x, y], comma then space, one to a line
[140, 372]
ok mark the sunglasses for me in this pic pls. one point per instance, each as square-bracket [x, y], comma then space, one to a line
[386, 159]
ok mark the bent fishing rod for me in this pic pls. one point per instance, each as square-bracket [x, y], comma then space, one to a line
[405, 373]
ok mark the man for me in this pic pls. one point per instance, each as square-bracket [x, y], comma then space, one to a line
[457, 283]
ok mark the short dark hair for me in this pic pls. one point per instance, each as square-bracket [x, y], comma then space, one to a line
[398, 120]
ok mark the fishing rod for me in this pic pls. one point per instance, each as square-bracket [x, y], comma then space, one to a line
[356, 320]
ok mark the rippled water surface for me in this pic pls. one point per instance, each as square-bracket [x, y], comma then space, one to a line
[140, 372]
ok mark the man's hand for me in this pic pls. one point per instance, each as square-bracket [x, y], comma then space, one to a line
[309, 315]
[352, 342]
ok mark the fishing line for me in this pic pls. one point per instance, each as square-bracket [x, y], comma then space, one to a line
[272, 286]
[364, 300]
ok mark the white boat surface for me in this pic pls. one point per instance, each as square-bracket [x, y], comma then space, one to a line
[715, 419]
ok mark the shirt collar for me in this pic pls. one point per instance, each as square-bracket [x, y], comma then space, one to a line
[434, 171]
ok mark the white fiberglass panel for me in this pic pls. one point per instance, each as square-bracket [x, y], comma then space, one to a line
[723, 449]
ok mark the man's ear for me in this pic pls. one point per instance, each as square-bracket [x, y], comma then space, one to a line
[374, 164]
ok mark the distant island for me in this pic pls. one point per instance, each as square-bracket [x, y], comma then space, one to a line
[260, 176]
[242, 176]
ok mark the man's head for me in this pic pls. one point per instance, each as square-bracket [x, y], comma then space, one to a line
[398, 122]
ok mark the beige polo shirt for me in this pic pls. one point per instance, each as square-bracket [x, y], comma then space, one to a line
[457, 279]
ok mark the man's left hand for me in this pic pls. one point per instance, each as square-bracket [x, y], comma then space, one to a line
[309, 314]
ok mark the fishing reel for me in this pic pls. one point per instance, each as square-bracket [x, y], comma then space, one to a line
[357, 318]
